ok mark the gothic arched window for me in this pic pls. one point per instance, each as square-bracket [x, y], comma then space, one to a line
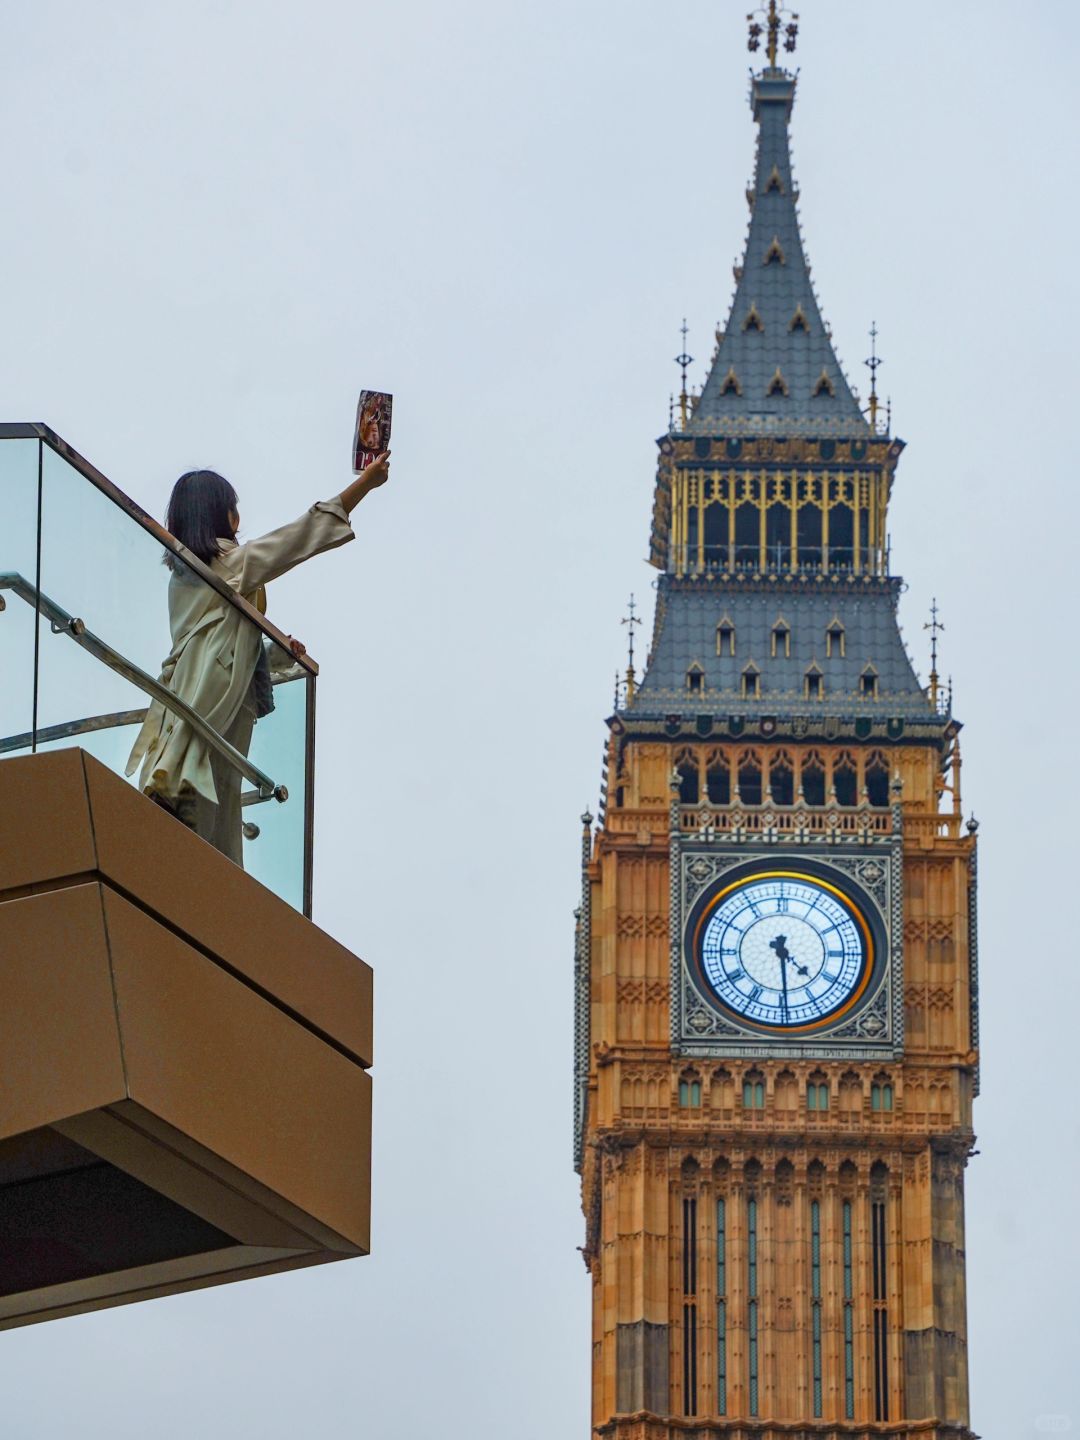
[845, 779]
[881, 1093]
[689, 783]
[813, 779]
[841, 535]
[782, 779]
[753, 1090]
[747, 534]
[750, 778]
[718, 778]
[809, 534]
[817, 1091]
[777, 535]
[877, 778]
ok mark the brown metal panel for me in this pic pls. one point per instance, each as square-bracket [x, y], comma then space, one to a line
[59, 1040]
[145, 852]
[44, 819]
[210, 1057]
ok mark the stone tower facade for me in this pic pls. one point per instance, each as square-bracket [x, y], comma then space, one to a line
[776, 982]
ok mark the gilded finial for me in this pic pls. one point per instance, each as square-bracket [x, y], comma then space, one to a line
[872, 365]
[683, 360]
[630, 620]
[772, 19]
[935, 627]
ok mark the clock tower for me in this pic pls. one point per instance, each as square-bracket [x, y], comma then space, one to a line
[776, 984]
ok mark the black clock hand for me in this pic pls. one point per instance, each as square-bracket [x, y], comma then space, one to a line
[783, 953]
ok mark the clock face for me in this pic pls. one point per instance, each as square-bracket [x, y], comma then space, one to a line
[783, 950]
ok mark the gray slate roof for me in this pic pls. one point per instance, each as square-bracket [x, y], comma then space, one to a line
[685, 634]
[776, 289]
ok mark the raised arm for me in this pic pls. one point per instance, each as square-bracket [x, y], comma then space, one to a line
[376, 474]
[323, 527]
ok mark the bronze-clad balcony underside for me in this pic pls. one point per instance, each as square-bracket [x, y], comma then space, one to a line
[184, 1097]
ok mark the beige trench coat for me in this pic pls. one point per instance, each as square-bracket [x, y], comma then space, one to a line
[215, 648]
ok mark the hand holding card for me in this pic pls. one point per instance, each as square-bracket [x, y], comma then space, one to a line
[372, 434]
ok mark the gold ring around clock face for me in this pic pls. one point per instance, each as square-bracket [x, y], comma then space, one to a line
[783, 950]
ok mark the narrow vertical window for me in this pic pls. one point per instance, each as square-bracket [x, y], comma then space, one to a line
[689, 1306]
[752, 1299]
[815, 1302]
[881, 1321]
[849, 1320]
[721, 1310]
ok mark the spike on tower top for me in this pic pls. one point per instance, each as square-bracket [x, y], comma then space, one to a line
[935, 627]
[873, 365]
[684, 361]
[770, 24]
[630, 620]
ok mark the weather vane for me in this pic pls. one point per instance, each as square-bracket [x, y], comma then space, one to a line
[773, 19]
[630, 620]
[682, 361]
[872, 365]
[935, 627]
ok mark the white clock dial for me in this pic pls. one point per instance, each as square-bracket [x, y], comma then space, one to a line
[784, 950]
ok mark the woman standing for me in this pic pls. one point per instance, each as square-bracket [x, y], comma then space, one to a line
[218, 663]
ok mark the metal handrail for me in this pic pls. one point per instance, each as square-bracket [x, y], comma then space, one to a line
[63, 623]
[35, 430]
[46, 734]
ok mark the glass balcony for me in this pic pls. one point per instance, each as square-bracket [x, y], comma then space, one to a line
[84, 632]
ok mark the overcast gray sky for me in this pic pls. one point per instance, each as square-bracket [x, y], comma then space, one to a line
[224, 218]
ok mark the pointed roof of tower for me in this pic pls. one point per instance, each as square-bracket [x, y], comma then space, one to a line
[775, 328]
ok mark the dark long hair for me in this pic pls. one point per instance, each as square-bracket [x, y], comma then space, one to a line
[198, 514]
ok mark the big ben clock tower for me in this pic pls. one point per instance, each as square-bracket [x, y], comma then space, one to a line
[776, 957]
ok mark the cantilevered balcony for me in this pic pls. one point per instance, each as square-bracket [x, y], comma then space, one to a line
[184, 1055]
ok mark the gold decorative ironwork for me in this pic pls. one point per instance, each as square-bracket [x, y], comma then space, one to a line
[770, 25]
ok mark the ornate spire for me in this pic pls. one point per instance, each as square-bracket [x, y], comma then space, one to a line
[683, 360]
[774, 324]
[935, 627]
[873, 365]
[630, 620]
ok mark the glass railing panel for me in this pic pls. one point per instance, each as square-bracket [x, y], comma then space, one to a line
[275, 856]
[18, 565]
[104, 638]
[18, 569]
